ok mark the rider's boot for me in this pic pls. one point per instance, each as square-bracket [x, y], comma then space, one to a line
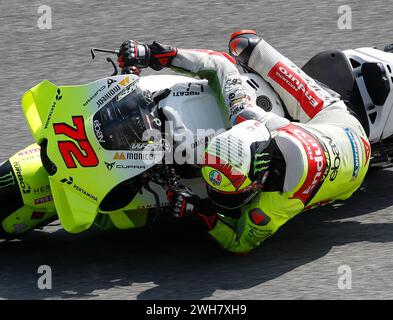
[241, 45]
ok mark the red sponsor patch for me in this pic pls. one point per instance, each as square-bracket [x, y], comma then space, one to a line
[37, 215]
[367, 149]
[316, 162]
[294, 84]
[258, 217]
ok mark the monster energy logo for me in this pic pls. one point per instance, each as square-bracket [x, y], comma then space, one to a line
[260, 164]
[7, 180]
[25, 187]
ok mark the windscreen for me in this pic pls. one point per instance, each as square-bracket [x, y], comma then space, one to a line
[123, 121]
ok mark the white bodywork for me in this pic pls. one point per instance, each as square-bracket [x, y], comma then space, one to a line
[383, 124]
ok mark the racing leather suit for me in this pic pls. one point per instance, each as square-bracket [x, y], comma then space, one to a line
[326, 153]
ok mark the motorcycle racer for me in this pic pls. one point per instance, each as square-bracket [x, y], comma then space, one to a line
[265, 169]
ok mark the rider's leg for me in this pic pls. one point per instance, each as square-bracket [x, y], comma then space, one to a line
[303, 97]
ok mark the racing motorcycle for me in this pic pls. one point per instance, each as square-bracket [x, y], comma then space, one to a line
[103, 150]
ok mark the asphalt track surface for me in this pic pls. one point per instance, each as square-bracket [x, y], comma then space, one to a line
[168, 261]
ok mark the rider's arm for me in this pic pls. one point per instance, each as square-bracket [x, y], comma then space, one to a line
[224, 78]
[217, 67]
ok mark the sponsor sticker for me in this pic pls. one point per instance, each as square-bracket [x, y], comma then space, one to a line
[94, 95]
[28, 152]
[145, 156]
[25, 187]
[355, 152]
[43, 200]
[215, 177]
[36, 215]
[41, 189]
[295, 85]
[367, 150]
[52, 108]
[109, 166]
[98, 131]
[234, 176]
[335, 159]
[108, 96]
[258, 217]
[70, 182]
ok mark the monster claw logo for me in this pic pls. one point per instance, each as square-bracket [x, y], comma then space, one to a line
[261, 162]
[7, 180]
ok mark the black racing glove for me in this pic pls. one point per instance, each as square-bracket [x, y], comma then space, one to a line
[136, 54]
[184, 203]
[161, 55]
[133, 54]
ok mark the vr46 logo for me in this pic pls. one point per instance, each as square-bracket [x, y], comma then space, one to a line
[80, 149]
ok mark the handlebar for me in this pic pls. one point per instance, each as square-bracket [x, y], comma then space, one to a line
[93, 50]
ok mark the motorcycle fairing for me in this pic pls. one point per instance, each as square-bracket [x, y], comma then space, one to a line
[31, 181]
[379, 117]
[85, 171]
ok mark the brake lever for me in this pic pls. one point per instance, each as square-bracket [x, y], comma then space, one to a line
[93, 55]
[115, 72]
